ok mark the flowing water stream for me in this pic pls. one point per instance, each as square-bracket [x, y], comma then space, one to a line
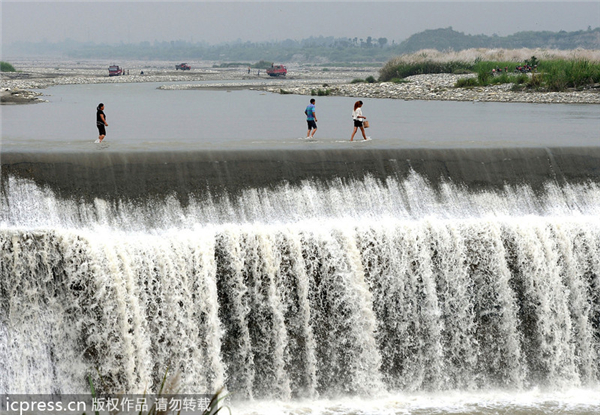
[356, 288]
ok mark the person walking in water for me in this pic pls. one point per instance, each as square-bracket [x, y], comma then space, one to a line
[101, 122]
[311, 119]
[358, 119]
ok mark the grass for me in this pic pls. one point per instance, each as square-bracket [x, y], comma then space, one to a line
[393, 69]
[6, 67]
[349, 65]
[466, 83]
[560, 75]
[556, 70]
[557, 75]
[171, 388]
[486, 78]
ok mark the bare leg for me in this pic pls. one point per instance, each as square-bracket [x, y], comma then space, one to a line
[313, 133]
[353, 132]
[362, 129]
[308, 133]
[100, 138]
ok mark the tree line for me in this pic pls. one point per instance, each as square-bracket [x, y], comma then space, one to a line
[312, 49]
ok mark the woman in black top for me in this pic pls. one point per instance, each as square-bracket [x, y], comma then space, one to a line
[101, 122]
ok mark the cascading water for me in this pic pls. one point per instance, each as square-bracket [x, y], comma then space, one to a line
[346, 288]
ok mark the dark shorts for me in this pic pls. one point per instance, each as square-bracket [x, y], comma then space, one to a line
[358, 123]
[101, 129]
[312, 124]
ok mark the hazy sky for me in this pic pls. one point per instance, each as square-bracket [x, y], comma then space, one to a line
[215, 22]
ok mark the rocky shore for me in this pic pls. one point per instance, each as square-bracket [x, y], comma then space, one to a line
[417, 87]
[16, 87]
[441, 87]
[19, 96]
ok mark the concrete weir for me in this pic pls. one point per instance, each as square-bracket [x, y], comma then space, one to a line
[139, 175]
[330, 275]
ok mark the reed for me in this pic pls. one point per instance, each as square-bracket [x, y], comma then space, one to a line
[559, 75]
[555, 75]
[399, 69]
[557, 69]
[170, 386]
[472, 56]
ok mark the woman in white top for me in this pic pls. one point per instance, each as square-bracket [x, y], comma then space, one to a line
[358, 120]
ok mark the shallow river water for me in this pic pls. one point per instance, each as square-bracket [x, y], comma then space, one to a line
[142, 117]
[404, 297]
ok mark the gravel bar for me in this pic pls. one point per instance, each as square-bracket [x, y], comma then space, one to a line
[15, 87]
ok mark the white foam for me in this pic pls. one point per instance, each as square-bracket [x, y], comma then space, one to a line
[349, 288]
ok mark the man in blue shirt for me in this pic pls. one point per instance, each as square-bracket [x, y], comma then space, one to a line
[311, 119]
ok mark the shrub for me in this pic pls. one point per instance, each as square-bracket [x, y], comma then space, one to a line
[555, 79]
[462, 71]
[357, 81]
[466, 82]
[521, 79]
[320, 92]
[483, 76]
[533, 61]
[370, 79]
[504, 78]
[582, 72]
[6, 67]
[535, 81]
[262, 65]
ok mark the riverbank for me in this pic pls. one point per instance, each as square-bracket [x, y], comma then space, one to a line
[16, 87]
[19, 96]
[438, 87]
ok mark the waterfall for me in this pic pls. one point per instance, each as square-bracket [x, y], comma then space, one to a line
[308, 289]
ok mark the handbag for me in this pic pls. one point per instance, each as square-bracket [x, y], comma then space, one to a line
[366, 124]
